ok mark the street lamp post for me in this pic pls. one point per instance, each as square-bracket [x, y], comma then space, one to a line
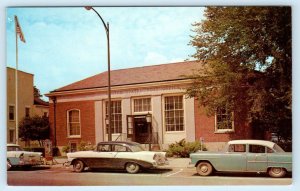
[106, 26]
[149, 120]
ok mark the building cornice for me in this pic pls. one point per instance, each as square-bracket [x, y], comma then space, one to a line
[118, 88]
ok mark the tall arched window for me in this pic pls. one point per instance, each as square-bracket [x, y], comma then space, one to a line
[74, 123]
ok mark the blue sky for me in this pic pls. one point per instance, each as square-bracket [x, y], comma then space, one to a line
[64, 45]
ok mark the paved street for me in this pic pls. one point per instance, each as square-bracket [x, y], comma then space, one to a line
[60, 175]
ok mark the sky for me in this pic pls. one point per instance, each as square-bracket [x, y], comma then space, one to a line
[68, 44]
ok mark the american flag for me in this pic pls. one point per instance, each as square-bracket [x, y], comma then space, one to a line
[19, 30]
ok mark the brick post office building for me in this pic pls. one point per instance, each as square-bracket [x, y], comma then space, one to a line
[78, 111]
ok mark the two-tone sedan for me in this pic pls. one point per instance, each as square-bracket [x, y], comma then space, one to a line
[117, 155]
[16, 156]
[245, 156]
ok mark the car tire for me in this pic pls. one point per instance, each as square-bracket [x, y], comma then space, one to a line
[277, 172]
[78, 166]
[132, 168]
[204, 169]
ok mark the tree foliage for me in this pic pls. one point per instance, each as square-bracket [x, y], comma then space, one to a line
[35, 128]
[36, 92]
[246, 53]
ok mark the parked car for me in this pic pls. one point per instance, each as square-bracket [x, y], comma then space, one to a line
[16, 156]
[117, 155]
[245, 156]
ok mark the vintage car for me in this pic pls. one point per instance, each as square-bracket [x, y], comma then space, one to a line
[117, 155]
[244, 156]
[16, 156]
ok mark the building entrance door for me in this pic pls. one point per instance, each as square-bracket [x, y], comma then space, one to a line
[138, 128]
[141, 129]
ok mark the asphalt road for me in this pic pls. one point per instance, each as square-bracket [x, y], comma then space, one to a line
[64, 176]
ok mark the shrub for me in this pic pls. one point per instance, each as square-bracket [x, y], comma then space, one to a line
[183, 148]
[83, 146]
[66, 149]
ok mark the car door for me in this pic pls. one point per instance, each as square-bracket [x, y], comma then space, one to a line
[257, 159]
[102, 157]
[234, 159]
[122, 155]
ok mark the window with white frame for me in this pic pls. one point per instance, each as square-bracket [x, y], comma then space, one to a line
[224, 120]
[11, 112]
[174, 118]
[142, 104]
[74, 122]
[116, 116]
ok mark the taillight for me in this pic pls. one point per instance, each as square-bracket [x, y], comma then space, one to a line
[159, 158]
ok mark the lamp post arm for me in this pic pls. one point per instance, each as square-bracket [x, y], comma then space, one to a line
[105, 26]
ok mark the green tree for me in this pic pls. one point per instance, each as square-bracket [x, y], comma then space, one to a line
[36, 92]
[34, 128]
[246, 55]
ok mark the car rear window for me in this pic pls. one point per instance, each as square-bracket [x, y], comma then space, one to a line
[103, 148]
[240, 148]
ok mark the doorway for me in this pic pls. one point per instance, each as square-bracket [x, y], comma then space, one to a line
[138, 129]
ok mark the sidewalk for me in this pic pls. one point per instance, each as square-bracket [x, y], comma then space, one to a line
[173, 162]
[179, 162]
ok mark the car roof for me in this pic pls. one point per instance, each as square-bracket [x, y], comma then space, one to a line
[253, 142]
[118, 143]
[12, 145]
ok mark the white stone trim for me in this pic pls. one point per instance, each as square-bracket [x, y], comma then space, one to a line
[121, 87]
[99, 135]
[126, 92]
[189, 117]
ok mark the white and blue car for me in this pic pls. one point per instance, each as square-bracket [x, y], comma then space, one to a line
[17, 157]
[245, 156]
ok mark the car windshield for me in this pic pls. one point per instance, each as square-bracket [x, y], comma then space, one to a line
[14, 148]
[277, 148]
[136, 148]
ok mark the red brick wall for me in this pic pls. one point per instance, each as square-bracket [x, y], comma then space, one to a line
[87, 118]
[205, 127]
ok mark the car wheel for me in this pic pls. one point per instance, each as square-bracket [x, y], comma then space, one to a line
[204, 169]
[132, 167]
[277, 172]
[78, 166]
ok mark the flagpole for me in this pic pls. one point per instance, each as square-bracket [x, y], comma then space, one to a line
[16, 81]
